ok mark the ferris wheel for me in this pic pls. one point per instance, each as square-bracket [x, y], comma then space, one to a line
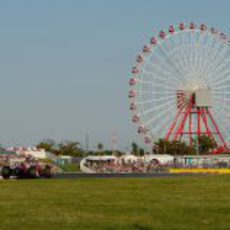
[180, 85]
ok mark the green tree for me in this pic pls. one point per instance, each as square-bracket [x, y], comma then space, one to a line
[118, 153]
[135, 149]
[141, 152]
[48, 145]
[162, 146]
[100, 147]
[108, 152]
[173, 148]
[70, 148]
[205, 143]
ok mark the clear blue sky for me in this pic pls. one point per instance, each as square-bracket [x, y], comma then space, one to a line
[64, 65]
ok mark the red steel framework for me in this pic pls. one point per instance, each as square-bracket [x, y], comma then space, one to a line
[193, 121]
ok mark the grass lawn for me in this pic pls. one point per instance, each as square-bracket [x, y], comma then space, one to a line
[139, 204]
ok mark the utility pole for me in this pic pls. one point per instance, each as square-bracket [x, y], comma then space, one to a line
[86, 143]
[114, 142]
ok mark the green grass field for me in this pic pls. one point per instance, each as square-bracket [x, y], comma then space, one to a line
[139, 204]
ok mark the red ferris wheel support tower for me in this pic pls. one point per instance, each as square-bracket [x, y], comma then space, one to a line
[194, 118]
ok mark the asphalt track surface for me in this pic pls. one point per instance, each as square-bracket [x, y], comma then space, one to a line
[117, 175]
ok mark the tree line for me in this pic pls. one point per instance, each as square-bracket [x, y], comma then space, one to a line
[73, 148]
[201, 145]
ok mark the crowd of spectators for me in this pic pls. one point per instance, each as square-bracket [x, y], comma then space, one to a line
[121, 165]
[125, 167]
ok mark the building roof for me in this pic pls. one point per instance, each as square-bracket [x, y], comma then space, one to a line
[6, 152]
